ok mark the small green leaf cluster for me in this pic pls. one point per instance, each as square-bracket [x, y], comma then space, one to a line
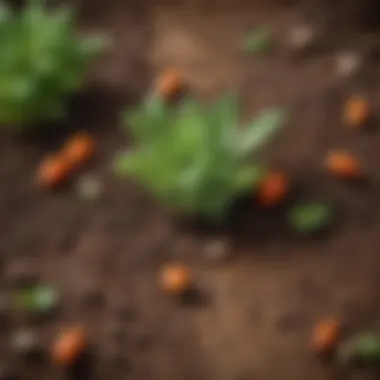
[194, 157]
[42, 61]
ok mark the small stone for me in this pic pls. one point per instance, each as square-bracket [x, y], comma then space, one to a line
[216, 250]
[348, 63]
[89, 188]
[301, 38]
[24, 342]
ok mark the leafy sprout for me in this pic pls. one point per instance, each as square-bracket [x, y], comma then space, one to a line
[194, 157]
[42, 61]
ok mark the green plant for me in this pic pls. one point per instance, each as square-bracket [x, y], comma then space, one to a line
[42, 61]
[194, 157]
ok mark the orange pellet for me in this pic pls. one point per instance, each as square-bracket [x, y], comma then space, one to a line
[175, 279]
[273, 190]
[357, 112]
[79, 149]
[52, 172]
[325, 336]
[343, 165]
[169, 84]
[69, 346]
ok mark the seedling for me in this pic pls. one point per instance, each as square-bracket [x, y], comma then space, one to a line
[194, 157]
[310, 217]
[257, 41]
[42, 61]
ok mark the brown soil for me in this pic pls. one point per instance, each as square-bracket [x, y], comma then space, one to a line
[103, 256]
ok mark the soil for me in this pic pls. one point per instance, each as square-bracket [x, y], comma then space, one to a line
[259, 303]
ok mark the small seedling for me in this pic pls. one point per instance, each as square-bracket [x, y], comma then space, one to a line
[257, 41]
[42, 62]
[39, 299]
[194, 157]
[363, 348]
[310, 217]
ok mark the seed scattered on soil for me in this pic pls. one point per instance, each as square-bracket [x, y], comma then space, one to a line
[302, 38]
[273, 190]
[216, 249]
[364, 347]
[343, 165]
[348, 63]
[52, 172]
[69, 347]
[89, 188]
[310, 217]
[357, 112]
[325, 336]
[169, 84]
[257, 41]
[176, 279]
[24, 342]
[78, 150]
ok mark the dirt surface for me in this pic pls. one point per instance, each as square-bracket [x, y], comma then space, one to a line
[103, 256]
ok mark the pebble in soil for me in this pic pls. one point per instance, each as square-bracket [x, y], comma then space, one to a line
[89, 188]
[301, 39]
[216, 250]
[348, 63]
[25, 342]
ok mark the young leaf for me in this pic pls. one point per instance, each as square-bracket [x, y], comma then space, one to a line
[310, 217]
[260, 131]
[257, 41]
[364, 347]
[38, 298]
[248, 177]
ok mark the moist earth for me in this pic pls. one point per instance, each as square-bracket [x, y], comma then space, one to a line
[264, 292]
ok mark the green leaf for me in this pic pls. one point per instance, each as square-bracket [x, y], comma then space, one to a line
[39, 298]
[189, 156]
[94, 45]
[42, 61]
[310, 217]
[261, 130]
[257, 41]
[364, 347]
[249, 177]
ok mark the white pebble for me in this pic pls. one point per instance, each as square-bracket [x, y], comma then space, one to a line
[24, 341]
[301, 37]
[216, 250]
[89, 188]
[348, 63]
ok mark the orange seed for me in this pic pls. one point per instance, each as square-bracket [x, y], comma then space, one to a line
[273, 190]
[175, 279]
[52, 172]
[69, 346]
[169, 84]
[78, 149]
[357, 112]
[343, 165]
[325, 336]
